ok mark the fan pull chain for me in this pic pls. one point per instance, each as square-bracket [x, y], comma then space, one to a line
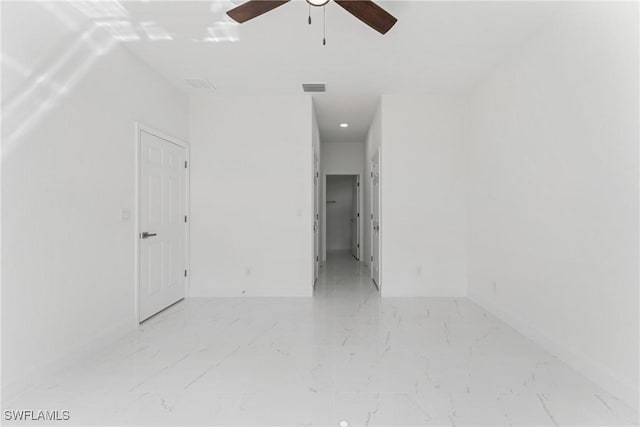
[324, 25]
[309, 14]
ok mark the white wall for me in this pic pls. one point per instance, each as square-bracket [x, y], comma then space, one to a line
[251, 196]
[554, 197]
[67, 255]
[339, 158]
[315, 142]
[372, 145]
[339, 214]
[423, 195]
[342, 157]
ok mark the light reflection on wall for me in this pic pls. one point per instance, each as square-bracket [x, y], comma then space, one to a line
[220, 32]
[41, 91]
[223, 29]
[99, 25]
[62, 16]
[15, 65]
[115, 18]
[120, 30]
[154, 31]
[100, 9]
[22, 112]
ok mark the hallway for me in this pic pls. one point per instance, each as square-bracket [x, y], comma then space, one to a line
[344, 280]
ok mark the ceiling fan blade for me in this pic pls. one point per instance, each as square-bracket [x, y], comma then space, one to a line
[253, 8]
[369, 13]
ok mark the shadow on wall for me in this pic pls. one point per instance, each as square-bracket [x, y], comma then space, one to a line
[84, 31]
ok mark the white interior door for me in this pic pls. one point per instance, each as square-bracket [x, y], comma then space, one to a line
[162, 224]
[355, 218]
[316, 219]
[375, 219]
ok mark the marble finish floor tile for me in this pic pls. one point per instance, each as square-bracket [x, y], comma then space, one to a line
[345, 355]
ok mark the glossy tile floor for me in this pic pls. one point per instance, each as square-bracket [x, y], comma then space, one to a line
[345, 355]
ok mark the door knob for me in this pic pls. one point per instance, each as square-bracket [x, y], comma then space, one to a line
[146, 235]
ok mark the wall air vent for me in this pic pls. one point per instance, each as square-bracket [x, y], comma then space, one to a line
[314, 87]
[199, 84]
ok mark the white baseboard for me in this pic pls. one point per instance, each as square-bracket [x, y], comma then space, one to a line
[197, 292]
[622, 388]
[14, 387]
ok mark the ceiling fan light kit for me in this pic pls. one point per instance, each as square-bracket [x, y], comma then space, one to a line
[317, 3]
[365, 10]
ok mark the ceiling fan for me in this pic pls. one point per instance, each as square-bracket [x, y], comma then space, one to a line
[365, 10]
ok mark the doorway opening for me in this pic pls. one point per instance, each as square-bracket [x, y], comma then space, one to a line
[345, 275]
[343, 219]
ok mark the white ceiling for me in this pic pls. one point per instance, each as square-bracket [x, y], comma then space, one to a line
[446, 45]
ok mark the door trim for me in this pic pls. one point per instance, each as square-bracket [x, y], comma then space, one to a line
[139, 128]
[315, 209]
[371, 161]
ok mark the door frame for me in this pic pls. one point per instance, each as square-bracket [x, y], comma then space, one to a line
[315, 211]
[371, 233]
[323, 207]
[358, 220]
[139, 128]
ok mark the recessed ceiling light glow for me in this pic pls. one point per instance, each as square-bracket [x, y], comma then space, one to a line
[344, 125]
[317, 2]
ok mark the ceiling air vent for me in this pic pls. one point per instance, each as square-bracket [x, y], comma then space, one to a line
[199, 84]
[314, 87]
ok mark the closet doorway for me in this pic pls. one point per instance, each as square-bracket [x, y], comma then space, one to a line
[343, 218]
